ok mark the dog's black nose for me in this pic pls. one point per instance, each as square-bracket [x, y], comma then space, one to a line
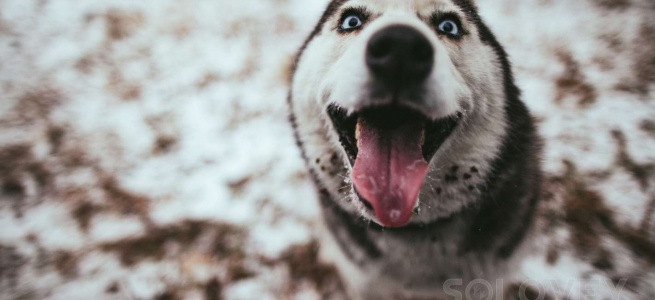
[399, 55]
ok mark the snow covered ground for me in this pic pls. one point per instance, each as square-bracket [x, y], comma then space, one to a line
[145, 152]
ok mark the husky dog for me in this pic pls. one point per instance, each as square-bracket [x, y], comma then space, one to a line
[426, 159]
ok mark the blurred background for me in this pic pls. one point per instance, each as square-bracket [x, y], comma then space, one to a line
[145, 151]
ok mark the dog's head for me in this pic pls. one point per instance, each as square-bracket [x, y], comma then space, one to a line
[392, 99]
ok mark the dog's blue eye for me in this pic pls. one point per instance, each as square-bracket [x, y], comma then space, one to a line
[449, 27]
[351, 22]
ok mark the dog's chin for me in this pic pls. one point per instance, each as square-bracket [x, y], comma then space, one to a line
[366, 210]
[389, 148]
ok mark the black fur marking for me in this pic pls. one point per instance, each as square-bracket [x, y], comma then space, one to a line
[451, 178]
[439, 190]
[502, 201]
[454, 169]
[334, 159]
[468, 8]
[474, 170]
[471, 188]
[467, 176]
[352, 232]
[604, 262]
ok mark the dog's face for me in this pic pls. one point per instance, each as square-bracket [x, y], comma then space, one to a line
[388, 94]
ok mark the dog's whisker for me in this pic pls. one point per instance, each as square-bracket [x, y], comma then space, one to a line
[344, 187]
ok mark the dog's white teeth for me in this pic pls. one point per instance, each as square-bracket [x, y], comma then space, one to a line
[358, 132]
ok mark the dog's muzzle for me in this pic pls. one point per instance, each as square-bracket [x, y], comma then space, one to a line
[390, 138]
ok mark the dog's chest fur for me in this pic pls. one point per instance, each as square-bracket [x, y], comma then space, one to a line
[417, 260]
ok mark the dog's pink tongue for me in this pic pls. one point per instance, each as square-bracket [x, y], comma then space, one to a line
[390, 169]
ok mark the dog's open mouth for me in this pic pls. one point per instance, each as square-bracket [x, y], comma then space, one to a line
[389, 148]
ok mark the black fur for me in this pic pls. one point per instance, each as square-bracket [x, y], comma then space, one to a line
[353, 235]
[520, 154]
